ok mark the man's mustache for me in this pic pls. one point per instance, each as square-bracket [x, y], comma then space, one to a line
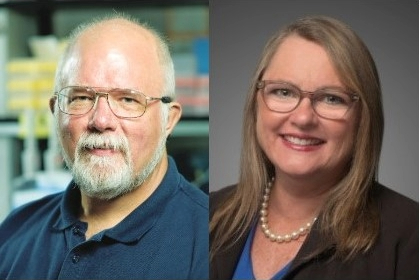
[88, 141]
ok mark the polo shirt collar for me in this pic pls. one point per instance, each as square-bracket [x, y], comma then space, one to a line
[69, 208]
[138, 222]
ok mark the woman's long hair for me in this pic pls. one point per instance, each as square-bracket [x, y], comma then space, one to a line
[349, 219]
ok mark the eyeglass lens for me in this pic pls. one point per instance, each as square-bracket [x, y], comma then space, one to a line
[123, 102]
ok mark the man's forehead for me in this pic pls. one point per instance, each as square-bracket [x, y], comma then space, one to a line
[117, 28]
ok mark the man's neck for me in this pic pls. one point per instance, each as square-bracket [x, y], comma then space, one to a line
[103, 214]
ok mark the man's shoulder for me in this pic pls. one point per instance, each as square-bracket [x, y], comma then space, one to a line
[185, 191]
[194, 195]
[31, 214]
[191, 206]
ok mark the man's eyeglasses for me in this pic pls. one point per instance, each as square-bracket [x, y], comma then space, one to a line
[124, 103]
[329, 103]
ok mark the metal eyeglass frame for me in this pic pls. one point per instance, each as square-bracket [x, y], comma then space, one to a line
[98, 94]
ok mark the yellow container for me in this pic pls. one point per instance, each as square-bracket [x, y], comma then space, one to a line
[40, 124]
[30, 81]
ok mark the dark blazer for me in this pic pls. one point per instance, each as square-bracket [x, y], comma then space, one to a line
[394, 256]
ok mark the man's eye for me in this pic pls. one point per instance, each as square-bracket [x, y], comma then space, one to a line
[126, 98]
[80, 98]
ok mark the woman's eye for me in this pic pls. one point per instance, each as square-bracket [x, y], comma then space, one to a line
[283, 92]
[333, 99]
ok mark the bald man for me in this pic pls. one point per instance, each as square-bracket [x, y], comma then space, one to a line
[128, 213]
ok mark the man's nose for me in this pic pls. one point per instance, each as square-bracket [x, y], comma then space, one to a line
[102, 118]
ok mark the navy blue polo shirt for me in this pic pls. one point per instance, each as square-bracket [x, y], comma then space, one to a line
[166, 237]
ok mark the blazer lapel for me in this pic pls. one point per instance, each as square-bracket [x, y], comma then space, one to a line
[224, 263]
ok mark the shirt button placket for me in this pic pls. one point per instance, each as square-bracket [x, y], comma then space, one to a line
[75, 259]
[76, 230]
[73, 267]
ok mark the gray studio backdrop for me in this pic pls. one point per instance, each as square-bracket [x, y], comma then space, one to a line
[238, 32]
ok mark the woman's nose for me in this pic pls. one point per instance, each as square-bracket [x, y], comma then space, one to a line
[304, 115]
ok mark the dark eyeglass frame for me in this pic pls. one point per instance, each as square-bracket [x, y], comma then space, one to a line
[261, 84]
[104, 92]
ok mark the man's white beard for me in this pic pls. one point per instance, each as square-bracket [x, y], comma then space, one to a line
[109, 177]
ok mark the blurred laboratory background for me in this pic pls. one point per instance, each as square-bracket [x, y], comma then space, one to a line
[32, 36]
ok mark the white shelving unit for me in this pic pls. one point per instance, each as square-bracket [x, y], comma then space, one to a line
[8, 131]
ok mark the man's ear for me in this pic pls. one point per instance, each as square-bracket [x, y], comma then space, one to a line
[175, 112]
[52, 104]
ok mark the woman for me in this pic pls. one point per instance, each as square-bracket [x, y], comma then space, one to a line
[307, 204]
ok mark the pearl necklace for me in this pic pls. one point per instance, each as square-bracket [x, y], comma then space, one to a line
[264, 222]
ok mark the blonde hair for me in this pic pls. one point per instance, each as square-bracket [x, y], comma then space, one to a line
[349, 219]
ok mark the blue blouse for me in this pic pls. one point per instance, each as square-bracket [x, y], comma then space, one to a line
[244, 267]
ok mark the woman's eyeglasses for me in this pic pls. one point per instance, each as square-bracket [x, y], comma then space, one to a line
[330, 103]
